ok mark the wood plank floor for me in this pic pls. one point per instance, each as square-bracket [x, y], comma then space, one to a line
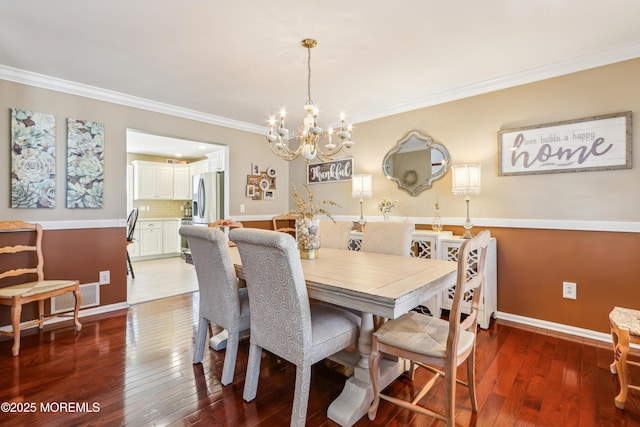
[134, 368]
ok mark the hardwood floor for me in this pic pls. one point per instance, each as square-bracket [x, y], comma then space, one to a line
[134, 368]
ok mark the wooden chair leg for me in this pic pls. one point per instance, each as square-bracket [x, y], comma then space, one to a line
[471, 379]
[374, 372]
[621, 352]
[76, 310]
[41, 313]
[16, 311]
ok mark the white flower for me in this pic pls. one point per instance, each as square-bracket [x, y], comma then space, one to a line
[385, 204]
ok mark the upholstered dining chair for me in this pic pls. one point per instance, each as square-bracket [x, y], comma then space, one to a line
[389, 237]
[221, 300]
[335, 234]
[26, 239]
[437, 345]
[283, 321]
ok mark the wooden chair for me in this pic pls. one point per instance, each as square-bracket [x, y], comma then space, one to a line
[16, 295]
[625, 329]
[335, 234]
[435, 344]
[222, 301]
[283, 321]
[132, 219]
[283, 223]
[227, 224]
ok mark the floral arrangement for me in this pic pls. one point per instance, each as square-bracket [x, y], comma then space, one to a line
[306, 208]
[386, 204]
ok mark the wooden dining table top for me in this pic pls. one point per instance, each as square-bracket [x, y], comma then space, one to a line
[380, 284]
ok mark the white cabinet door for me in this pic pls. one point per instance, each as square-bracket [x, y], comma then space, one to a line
[150, 237]
[145, 181]
[165, 181]
[181, 182]
[170, 236]
[152, 180]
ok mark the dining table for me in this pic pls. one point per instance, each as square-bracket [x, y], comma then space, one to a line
[379, 286]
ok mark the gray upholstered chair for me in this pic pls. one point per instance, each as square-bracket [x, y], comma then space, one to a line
[335, 234]
[283, 321]
[437, 345]
[221, 300]
[391, 238]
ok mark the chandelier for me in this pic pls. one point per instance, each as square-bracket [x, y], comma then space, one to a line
[309, 134]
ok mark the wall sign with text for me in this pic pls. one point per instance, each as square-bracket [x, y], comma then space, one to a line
[336, 170]
[592, 143]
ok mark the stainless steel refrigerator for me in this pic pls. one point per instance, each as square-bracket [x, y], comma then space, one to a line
[208, 197]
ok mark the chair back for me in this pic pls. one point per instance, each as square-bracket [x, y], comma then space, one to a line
[132, 219]
[278, 299]
[226, 223]
[24, 244]
[217, 281]
[335, 234]
[283, 223]
[389, 237]
[471, 275]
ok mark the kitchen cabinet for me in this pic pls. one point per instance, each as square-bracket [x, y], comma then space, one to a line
[181, 182]
[152, 180]
[170, 236]
[150, 233]
[155, 238]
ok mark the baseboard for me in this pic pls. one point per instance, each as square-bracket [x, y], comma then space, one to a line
[557, 327]
[83, 313]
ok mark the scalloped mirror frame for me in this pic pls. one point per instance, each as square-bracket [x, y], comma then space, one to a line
[410, 180]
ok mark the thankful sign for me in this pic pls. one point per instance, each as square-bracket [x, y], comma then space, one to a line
[336, 170]
[594, 143]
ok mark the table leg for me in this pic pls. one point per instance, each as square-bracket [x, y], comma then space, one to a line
[357, 395]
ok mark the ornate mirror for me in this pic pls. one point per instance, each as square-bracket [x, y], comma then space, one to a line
[415, 162]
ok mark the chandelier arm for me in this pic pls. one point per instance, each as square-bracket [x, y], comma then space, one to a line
[286, 153]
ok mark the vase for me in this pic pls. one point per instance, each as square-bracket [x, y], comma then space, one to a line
[385, 216]
[308, 236]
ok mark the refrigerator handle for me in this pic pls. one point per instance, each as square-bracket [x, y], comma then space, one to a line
[201, 198]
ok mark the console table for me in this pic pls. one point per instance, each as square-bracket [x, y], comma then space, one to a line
[445, 246]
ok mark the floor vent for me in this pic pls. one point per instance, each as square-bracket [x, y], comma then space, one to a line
[65, 302]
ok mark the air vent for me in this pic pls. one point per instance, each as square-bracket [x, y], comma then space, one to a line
[90, 298]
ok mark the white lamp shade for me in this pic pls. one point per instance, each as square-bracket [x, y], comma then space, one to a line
[361, 186]
[466, 179]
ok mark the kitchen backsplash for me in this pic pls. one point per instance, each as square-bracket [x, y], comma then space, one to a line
[160, 208]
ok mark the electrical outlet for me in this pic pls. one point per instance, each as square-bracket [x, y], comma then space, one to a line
[569, 290]
[105, 277]
[241, 208]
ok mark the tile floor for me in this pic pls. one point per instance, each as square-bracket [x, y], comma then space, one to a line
[160, 278]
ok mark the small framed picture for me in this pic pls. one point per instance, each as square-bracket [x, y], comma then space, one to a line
[253, 179]
[269, 195]
[272, 183]
[251, 190]
[264, 184]
[257, 194]
[271, 172]
[255, 169]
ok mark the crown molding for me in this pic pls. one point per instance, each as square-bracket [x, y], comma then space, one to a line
[66, 86]
[573, 65]
[528, 76]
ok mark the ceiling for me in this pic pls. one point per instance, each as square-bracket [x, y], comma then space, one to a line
[237, 63]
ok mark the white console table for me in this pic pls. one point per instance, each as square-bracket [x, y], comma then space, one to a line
[445, 246]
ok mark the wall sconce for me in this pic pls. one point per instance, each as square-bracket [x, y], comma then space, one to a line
[361, 187]
[466, 181]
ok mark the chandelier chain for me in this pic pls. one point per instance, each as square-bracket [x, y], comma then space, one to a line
[309, 75]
